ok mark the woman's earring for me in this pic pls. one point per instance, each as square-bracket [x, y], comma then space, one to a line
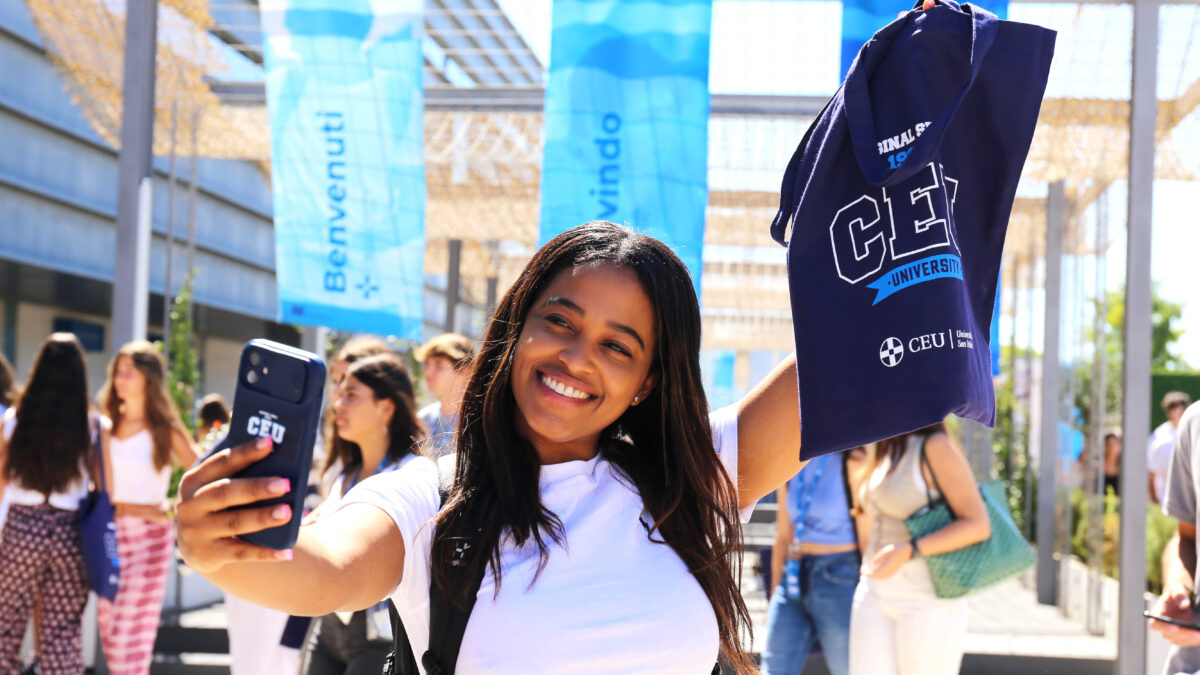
[635, 399]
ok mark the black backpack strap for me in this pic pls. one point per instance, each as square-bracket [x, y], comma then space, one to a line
[401, 661]
[447, 621]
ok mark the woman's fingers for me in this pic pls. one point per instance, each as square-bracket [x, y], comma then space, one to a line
[229, 493]
[244, 521]
[222, 465]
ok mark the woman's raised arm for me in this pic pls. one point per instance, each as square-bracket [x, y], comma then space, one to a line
[350, 560]
[769, 434]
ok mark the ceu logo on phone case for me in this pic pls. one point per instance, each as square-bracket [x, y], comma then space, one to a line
[266, 426]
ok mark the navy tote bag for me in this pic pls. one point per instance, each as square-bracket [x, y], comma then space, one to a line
[894, 209]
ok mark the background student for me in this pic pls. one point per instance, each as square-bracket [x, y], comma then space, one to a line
[49, 450]
[898, 625]
[447, 361]
[147, 434]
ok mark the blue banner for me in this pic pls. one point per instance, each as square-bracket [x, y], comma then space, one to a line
[347, 162]
[626, 120]
[861, 18]
[945, 266]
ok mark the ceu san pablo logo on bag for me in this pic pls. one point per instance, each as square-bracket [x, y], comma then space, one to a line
[902, 231]
[266, 425]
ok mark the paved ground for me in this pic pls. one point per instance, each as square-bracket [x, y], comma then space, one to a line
[1003, 620]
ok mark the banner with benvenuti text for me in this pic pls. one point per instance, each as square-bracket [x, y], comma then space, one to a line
[626, 120]
[347, 165]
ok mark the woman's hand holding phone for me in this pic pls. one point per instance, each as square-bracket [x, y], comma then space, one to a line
[208, 520]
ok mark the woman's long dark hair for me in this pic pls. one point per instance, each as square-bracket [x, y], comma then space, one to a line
[386, 377]
[52, 419]
[663, 446]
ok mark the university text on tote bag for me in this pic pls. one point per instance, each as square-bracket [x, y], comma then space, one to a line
[894, 209]
[98, 531]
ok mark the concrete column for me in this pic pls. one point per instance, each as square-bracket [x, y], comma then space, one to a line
[1135, 413]
[453, 283]
[130, 290]
[1048, 461]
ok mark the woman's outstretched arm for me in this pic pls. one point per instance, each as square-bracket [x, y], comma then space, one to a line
[348, 561]
[769, 434]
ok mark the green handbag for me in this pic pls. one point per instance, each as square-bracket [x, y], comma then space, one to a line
[1003, 554]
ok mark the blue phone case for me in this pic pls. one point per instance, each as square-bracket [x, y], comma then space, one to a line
[291, 425]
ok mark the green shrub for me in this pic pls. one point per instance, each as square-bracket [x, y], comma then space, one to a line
[1159, 530]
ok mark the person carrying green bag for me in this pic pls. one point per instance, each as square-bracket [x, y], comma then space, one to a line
[898, 624]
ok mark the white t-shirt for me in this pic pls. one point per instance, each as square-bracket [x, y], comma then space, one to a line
[1158, 456]
[610, 601]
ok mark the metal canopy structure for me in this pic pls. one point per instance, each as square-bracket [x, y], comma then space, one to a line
[484, 89]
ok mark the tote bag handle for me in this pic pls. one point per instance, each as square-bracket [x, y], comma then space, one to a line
[863, 136]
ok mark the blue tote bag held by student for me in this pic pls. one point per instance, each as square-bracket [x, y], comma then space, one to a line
[98, 532]
[894, 209]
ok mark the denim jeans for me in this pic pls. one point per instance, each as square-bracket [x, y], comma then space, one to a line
[822, 611]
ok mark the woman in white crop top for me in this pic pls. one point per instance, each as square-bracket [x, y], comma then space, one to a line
[147, 435]
[47, 456]
[591, 485]
[898, 626]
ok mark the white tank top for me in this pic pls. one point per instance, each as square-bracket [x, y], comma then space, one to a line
[135, 480]
[892, 495]
[68, 499]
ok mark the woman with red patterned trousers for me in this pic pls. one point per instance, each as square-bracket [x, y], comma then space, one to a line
[147, 434]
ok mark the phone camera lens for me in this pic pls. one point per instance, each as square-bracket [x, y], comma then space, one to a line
[255, 358]
[252, 377]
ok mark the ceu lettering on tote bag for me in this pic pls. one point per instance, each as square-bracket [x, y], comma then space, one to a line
[898, 199]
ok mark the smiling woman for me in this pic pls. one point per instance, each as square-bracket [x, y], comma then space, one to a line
[589, 468]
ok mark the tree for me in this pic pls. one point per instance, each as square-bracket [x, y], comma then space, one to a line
[183, 373]
[1163, 333]
[1164, 336]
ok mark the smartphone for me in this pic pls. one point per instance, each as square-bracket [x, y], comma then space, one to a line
[1173, 622]
[278, 396]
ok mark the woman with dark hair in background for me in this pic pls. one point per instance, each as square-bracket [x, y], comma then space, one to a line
[599, 498]
[356, 348]
[898, 625]
[375, 427]
[48, 451]
[147, 434]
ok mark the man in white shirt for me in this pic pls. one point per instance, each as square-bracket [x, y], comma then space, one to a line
[1179, 557]
[1162, 442]
[447, 360]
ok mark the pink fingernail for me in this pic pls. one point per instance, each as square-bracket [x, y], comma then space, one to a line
[280, 485]
[283, 555]
[282, 511]
[263, 443]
